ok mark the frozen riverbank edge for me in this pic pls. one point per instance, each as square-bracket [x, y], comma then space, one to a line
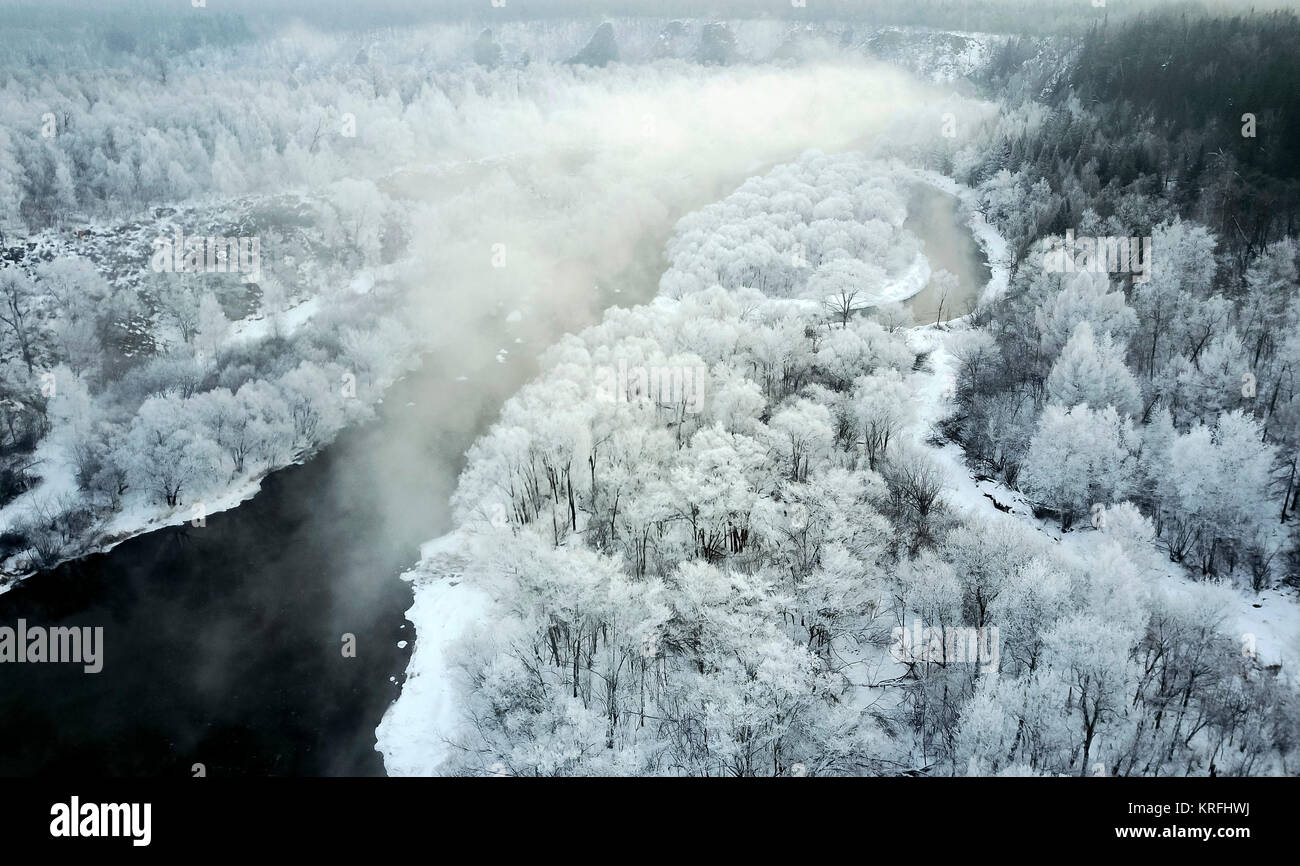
[144, 516]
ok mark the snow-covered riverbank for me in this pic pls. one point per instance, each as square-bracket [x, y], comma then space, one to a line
[138, 511]
[415, 735]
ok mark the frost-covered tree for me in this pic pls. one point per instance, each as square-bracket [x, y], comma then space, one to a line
[168, 453]
[799, 434]
[19, 314]
[1216, 485]
[882, 407]
[211, 326]
[1088, 658]
[1078, 457]
[1084, 297]
[1093, 372]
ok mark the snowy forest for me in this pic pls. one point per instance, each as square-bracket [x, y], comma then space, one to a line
[885, 389]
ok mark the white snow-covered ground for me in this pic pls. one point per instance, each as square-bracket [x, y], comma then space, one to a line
[909, 284]
[932, 389]
[416, 732]
[288, 321]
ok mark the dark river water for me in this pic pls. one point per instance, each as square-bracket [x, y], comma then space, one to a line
[222, 643]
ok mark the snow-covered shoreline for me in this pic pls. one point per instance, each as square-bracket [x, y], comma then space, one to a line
[133, 523]
[143, 517]
[909, 284]
[415, 733]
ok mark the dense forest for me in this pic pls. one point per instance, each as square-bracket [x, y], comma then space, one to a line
[1138, 141]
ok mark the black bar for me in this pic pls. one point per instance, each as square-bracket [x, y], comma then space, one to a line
[439, 817]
